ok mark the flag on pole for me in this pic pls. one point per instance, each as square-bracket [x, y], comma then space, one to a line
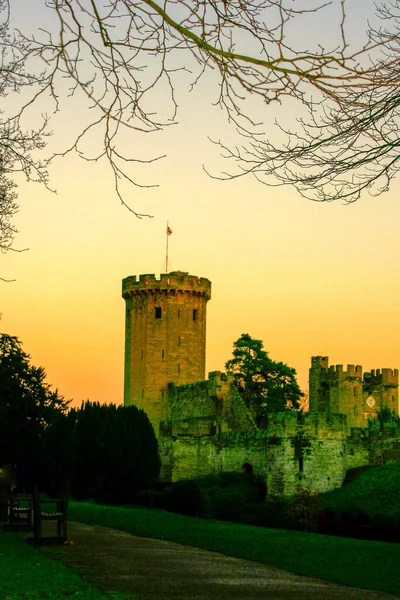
[169, 230]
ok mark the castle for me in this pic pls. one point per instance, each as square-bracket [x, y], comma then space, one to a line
[205, 426]
[165, 338]
[335, 391]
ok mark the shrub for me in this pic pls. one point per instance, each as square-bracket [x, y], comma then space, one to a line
[233, 496]
[229, 496]
[185, 498]
[115, 453]
[304, 509]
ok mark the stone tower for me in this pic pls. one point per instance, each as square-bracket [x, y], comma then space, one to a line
[334, 390]
[165, 338]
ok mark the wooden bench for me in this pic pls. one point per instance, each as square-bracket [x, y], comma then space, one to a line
[20, 510]
[49, 509]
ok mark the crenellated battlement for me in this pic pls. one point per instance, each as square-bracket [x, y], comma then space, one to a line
[170, 283]
[165, 337]
[374, 377]
[334, 371]
[334, 390]
[206, 426]
[217, 385]
[319, 361]
[215, 375]
[382, 377]
[350, 372]
[288, 423]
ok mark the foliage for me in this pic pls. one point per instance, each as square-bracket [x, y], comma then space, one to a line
[367, 507]
[59, 456]
[233, 496]
[227, 496]
[102, 451]
[185, 498]
[304, 508]
[28, 573]
[385, 417]
[27, 407]
[266, 386]
[360, 563]
[115, 452]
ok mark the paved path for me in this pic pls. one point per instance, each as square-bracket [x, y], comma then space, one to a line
[149, 569]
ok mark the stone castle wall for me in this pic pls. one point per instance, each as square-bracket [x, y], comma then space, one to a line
[296, 450]
[205, 407]
[205, 426]
[289, 455]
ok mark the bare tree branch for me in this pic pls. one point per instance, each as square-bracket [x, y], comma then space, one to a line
[121, 55]
[346, 147]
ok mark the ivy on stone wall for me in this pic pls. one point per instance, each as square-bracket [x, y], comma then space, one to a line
[384, 419]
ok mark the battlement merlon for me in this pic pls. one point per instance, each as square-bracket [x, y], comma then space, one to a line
[350, 372]
[334, 371]
[289, 423]
[176, 281]
[319, 362]
[219, 376]
[382, 377]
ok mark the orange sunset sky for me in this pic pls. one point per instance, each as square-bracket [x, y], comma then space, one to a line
[304, 277]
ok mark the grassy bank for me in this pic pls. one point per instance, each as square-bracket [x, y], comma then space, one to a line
[376, 493]
[26, 573]
[359, 563]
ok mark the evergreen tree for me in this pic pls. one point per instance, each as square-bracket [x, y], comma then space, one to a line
[115, 450]
[266, 386]
[27, 407]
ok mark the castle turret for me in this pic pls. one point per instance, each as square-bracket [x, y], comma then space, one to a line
[334, 390]
[381, 390]
[165, 337]
[318, 400]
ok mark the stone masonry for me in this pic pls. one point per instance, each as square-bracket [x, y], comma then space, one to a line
[338, 391]
[205, 426]
[165, 337]
[209, 430]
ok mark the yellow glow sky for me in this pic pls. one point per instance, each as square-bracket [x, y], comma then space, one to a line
[305, 278]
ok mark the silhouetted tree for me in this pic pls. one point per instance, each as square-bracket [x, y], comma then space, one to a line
[58, 457]
[115, 452]
[266, 386]
[27, 407]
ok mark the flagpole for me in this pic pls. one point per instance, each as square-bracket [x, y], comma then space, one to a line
[166, 252]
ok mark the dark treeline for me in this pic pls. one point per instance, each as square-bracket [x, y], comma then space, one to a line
[105, 452]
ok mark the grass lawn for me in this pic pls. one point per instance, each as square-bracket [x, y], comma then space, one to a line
[360, 563]
[25, 573]
[376, 493]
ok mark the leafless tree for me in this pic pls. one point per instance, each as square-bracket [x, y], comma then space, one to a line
[120, 54]
[16, 144]
[349, 143]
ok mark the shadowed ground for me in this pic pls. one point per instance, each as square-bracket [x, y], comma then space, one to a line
[148, 569]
